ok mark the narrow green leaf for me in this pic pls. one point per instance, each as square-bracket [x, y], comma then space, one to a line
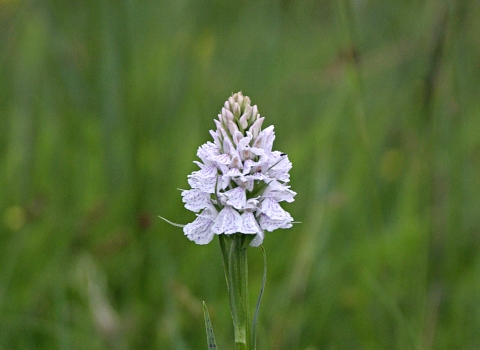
[255, 316]
[208, 326]
[225, 254]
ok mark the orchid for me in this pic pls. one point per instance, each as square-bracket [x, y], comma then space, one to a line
[236, 194]
[241, 181]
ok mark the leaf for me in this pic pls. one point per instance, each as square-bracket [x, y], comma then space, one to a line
[225, 254]
[255, 316]
[208, 327]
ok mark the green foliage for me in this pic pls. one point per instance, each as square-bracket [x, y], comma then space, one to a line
[103, 105]
[211, 344]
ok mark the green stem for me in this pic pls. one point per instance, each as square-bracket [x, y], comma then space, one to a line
[234, 253]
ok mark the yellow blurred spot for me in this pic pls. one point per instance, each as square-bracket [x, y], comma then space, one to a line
[15, 217]
[391, 165]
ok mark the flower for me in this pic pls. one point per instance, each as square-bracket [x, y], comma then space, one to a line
[241, 180]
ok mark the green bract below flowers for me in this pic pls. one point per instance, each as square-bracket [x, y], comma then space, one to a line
[241, 180]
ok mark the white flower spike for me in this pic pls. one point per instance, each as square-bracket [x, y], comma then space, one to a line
[241, 180]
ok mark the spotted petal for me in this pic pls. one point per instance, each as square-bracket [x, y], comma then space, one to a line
[228, 221]
[279, 192]
[278, 166]
[268, 224]
[273, 210]
[200, 230]
[249, 223]
[195, 199]
[236, 197]
[207, 152]
[204, 179]
[222, 161]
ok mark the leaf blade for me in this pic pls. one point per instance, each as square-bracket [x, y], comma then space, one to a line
[259, 300]
[209, 329]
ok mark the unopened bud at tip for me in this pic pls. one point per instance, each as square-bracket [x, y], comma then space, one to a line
[236, 110]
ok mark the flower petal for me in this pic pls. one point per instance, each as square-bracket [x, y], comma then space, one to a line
[195, 199]
[236, 197]
[258, 240]
[200, 230]
[221, 159]
[206, 152]
[269, 138]
[228, 221]
[204, 179]
[252, 203]
[244, 142]
[278, 166]
[273, 210]
[247, 166]
[249, 223]
[279, 192]
[256, 127]
[270, 225]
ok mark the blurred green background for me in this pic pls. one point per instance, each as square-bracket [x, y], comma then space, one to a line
[104, 103]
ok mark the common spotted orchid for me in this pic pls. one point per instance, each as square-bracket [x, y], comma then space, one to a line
[241, 180]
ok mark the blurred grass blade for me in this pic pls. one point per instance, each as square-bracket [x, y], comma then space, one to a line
[208, 327]
[255, 315]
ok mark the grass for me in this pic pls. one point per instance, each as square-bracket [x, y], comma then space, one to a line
[103, 106]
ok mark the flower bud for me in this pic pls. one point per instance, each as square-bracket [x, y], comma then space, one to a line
[226, 145]
[245, 117]
[218, 123]
[256, 127]
[246, 102]
[231, 101]
[232, 127]
[227, 115]
[236, 110]
[255, 114]
[240, 99]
